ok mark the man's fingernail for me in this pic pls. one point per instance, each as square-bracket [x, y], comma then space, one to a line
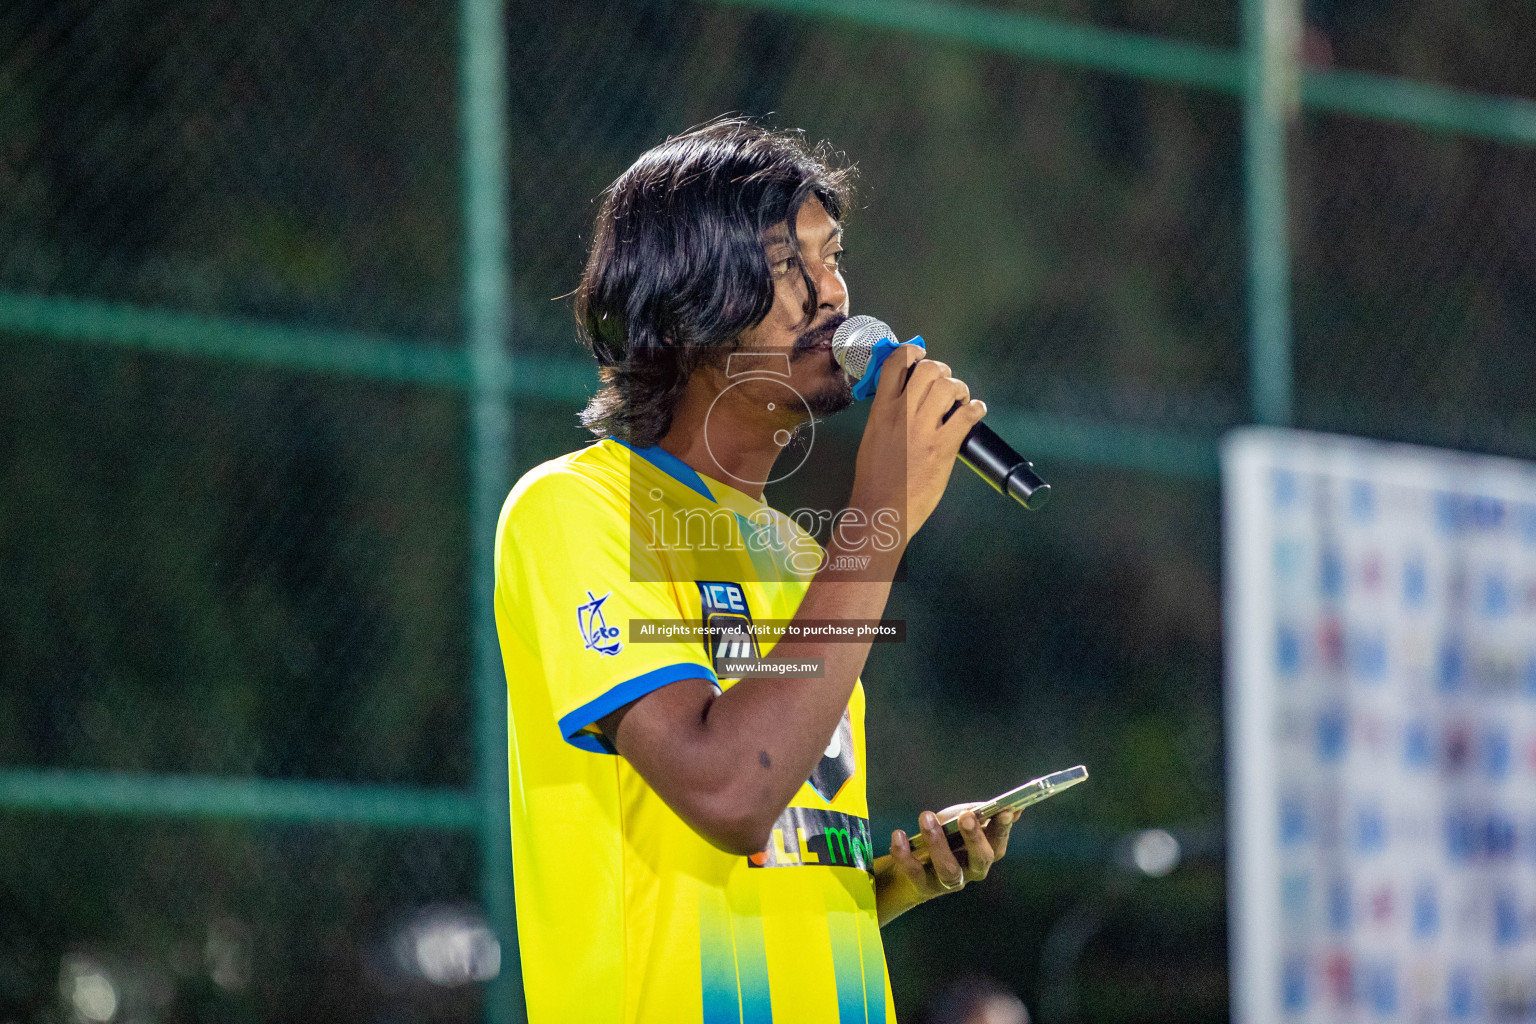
[968, 821]
[930, 820]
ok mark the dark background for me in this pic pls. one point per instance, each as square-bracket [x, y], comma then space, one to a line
[212, 568]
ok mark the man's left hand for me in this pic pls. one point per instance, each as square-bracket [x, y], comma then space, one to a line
[902, 881]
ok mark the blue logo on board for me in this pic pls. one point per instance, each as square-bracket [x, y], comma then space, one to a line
[1460, 999]
[1379, 980]
[1426, 911]
[1370, 829]
[1418, 749]
[599, 636]
[1293, 983]
[1368, 654]
[1288, 650]
[1332, 735]
[1295, 828]
[1285, 489]
[1496, 601]
[1339, 905]
[1506, 920]
[1452, 666]
[1330, 577]
[1494, 753]
[1362, 501]
[1415, 583]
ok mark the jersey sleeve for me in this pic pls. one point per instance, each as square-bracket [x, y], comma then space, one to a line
[571, 589]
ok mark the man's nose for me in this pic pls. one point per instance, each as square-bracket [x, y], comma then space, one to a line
[831, 291]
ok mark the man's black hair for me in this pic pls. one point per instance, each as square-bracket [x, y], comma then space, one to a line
[677, 268]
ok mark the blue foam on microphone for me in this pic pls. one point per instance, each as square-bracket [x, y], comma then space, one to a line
[865, 386]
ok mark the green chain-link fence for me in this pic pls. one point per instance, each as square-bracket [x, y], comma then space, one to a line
[273, 277]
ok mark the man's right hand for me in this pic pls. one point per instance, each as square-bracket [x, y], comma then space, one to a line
[909, 449]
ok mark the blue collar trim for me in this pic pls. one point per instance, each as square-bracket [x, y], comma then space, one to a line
[671, 465]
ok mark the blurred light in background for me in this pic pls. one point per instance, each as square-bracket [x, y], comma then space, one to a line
[87, 989]
[227, 954]
[449, 945]
[976, 1000]
[1155, 852]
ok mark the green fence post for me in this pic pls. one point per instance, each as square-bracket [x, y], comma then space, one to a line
[1271, 35]
[487, 314]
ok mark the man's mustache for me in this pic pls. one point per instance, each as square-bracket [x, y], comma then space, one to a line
[819, 335]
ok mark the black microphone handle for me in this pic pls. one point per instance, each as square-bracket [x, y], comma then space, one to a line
[995, 461]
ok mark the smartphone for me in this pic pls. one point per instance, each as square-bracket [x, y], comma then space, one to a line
[1032, 792]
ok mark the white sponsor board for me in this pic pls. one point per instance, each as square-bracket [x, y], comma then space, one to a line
[1381, 692]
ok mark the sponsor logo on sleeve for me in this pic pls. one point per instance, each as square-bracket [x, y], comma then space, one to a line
[727, 623]
[595, 631]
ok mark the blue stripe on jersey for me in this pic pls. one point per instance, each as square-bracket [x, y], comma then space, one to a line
[847, 966]
[752, 969]
[873, 953]
[673, 466]
[719, 993]
[616, 697]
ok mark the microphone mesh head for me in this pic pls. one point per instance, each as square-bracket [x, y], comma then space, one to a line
[855, 340]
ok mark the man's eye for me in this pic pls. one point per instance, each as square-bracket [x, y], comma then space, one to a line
[838, 259]
[779, 268]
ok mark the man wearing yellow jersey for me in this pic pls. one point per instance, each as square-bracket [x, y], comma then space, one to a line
[690, 846]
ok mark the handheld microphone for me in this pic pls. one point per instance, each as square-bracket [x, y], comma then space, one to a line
[860, 347]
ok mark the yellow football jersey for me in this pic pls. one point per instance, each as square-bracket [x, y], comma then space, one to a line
[624, 913]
